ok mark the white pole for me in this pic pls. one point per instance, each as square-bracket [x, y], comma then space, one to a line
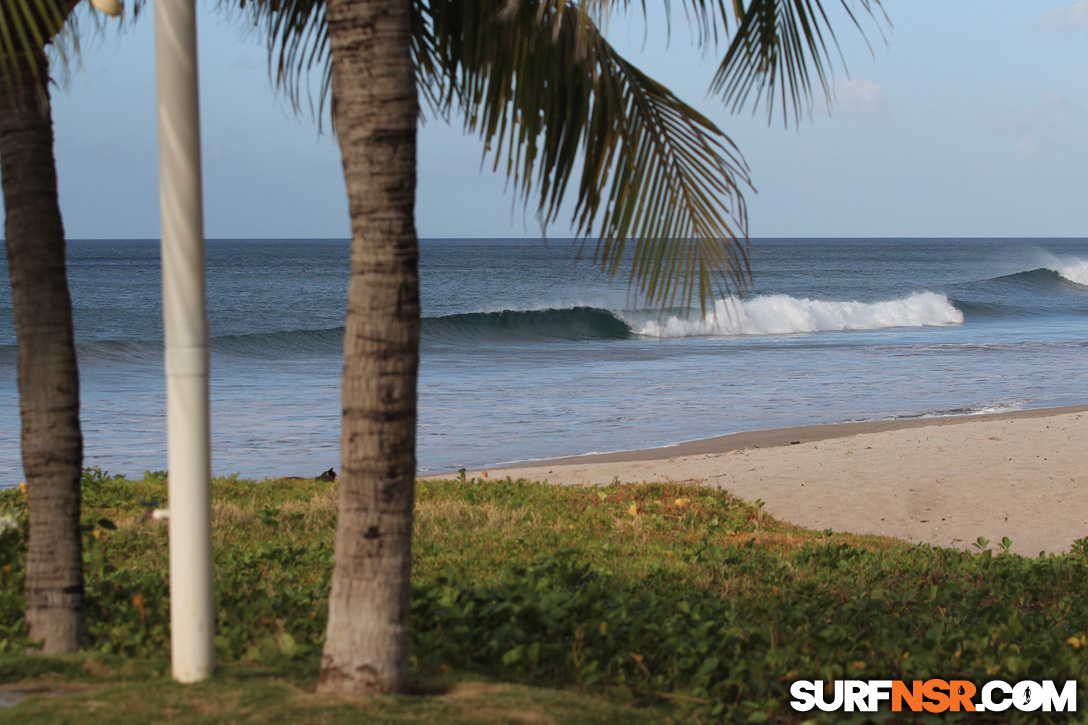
[185, 325]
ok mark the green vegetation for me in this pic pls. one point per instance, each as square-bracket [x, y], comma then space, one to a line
[539, 603]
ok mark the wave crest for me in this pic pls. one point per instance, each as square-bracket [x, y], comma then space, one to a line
[1072, 269]
[767, 315]
[573, 323]
[782, 314]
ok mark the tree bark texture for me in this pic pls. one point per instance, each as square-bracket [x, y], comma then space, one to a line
[375, 111]
[52, 444]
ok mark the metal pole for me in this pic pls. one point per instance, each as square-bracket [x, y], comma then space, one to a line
[185, 325]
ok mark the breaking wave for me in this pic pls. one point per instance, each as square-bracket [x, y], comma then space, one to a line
[768, 315]
[782, 314]
[1071, 268]
[573, 323]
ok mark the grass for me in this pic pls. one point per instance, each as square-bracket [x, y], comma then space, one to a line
[534, 603]
[96, 689]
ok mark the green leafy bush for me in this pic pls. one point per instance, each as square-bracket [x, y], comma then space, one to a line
[651, 594]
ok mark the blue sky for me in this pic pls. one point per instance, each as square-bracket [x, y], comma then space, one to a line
[971, 120]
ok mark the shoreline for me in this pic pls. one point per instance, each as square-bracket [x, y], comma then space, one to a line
[764, 438]
[792, 435]
[944, 481]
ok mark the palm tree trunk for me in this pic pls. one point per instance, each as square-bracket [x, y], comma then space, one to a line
[375, 110]
[52, 444]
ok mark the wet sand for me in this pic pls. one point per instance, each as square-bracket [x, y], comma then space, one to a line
[945, 481]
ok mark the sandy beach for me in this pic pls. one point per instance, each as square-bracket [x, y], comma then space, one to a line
[945, 481]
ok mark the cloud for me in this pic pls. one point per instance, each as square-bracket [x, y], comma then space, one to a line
[1072, 19]
[246, 64]
[214, 153]
[861, 97]
[1046, 115]
[1040, 126]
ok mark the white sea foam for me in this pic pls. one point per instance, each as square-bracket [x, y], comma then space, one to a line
[1073, 269]
[782, 314]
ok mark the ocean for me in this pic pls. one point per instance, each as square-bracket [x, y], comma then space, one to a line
[529, 352]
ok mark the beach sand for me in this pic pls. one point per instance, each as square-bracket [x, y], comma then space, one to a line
[945, 481]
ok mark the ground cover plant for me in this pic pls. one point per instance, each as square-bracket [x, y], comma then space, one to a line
[665, 601]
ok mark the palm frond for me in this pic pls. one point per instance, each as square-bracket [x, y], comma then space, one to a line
[780, 50]
[551, 99]
[296, 34]
[86, 25]
[55, 26]
[26, 26]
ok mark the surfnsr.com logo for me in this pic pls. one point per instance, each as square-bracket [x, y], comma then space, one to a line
[933, 696]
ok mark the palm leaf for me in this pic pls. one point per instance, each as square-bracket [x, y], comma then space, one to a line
[52, 25]
[297, 38]
[552, 100]
[67, 45]
[25, 27]
[780, 49]
[711, 19]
